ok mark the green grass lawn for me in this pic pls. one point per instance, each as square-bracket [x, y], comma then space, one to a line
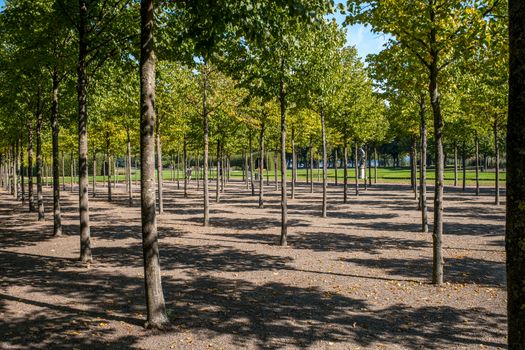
[384, 175]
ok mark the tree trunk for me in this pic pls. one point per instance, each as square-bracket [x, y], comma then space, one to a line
[345, 171]
[284, 203]
[455, 164]
[94, 181]
[356, 166]
[437, 236]
[57, 220]
[464, 167]
[275, 170]
[413, 166]
[40, 198]
[496, 151]
[71, 171]
[325, 166]
[63, 172]
[206, 131]
[375, 165]
[15, 169]
[311, 166]
[246, 167]
[217, 179]
[294, 165]
[30, 198]
[261, 167]
[476, 141]
[108, 166]
[369, 166]
[85, 239]
[364, 169]
[21, 167]
[159, 170]
[156, 309]
[252, 183]
[267, 169]
[335, 167]
[128, 161]
[185, 163]
[515, 221]
[423, 166]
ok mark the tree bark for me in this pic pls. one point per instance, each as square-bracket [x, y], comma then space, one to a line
[515, 221]
[85, 236]
[311, 166]
[218, 178]
[356, 166]
[252, 183]
[455, 164]
[423, 166]
[476, 141]
[159, 170]
[435, 100]
[261, 166]
[128, 177]
[40, 198]
[30, 198]
[294, 165]
[156, 309]
[325, 165]
[185, 162]
[107, 166]
[464, 167]
[413, 163]
[496, 151]
[345, 171]
[206, 131]
[21, 167]
[335, 166]
[57, 220]
[284, 203]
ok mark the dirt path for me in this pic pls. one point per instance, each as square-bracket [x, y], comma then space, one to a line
[358, 279]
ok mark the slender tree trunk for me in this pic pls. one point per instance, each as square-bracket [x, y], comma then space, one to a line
[336, 160]
[246, 170]
[294, 164]
[496, 151]
[455, 164]
[311, 166]
[107, 166]
[413, 169]
[369, 153]
[63, 172]
[40, 198]
[22, 181]
[356, 166]
[261, 167]
[30, 198]
[156, 309]
[267, 169]
[94, 185]
[160, 179]
[345, 170]
[85, 239]
[185, 162]
[464, 166]
[364, 169]
[15, 169]
[252, 183]
[476, 141]
[57, 220]
[217, 178]
[128, 161]
[375, 165]
[437, 236]
[423, 166]
[284, 203]
[178, 170]
[515, 221]
[325, 165]
[206, 130]
[71, 171]
[275, 170]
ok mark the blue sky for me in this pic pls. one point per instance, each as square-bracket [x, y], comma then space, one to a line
[357, 35]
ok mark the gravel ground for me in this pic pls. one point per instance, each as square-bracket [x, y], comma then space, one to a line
[358, 279]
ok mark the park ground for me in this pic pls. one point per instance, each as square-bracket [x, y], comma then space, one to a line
[359, 279]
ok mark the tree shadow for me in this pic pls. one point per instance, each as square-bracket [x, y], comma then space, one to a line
[456, 270]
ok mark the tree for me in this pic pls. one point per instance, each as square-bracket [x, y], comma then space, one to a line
[435, 40]
[154, 295]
